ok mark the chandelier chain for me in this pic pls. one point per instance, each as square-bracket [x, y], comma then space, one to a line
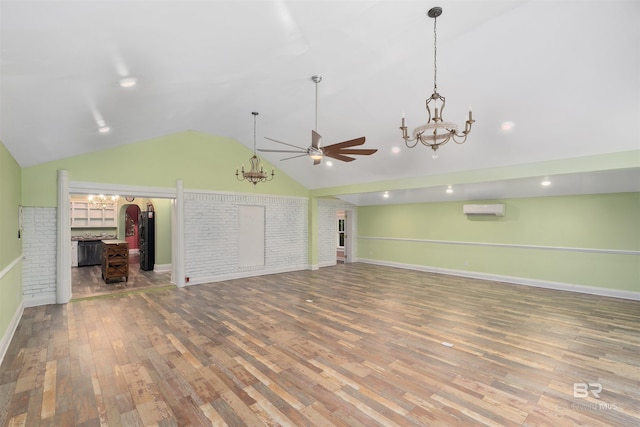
[254, 131]
[435, 54]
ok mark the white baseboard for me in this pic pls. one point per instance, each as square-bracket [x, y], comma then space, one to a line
[244, 274]
[328, 263]
[593, 290]
[11, 330]
[161, 268]
[40, 299]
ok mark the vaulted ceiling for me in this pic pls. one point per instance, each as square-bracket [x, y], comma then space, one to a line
[566, 74]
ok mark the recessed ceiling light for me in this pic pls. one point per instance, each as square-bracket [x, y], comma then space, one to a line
[449, 190]
[546, 182]
[385, 194]
[329, 163]
[104, 129]
[507, 126]
[128, 82]
[395, 150]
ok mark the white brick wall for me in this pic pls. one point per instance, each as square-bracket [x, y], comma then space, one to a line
[211, 239]
[39, 253]
[211, 234]
[328, 228]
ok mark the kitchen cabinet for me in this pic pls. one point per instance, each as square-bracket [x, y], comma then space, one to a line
[85, 215]
[89, 252]
[115, 260]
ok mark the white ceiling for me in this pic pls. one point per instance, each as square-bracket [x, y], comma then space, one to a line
[567, 73]
[595, 182]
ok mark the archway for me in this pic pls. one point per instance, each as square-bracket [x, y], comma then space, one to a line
[131, 224]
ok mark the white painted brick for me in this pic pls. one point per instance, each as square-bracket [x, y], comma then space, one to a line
[211, 236]
[39, 251]
[211, 232]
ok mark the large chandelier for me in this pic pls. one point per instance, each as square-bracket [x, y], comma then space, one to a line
[102, 202]
[436, 131]
[256, 174]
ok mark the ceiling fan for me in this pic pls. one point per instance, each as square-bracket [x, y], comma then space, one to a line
[340, 151]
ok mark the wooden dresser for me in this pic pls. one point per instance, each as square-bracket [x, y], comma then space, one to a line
[115, 260]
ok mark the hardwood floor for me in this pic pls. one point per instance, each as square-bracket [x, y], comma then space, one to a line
[87, 282]
[350, 345]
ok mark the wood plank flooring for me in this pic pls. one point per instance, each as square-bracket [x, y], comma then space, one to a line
[87, 282]
[350, 345]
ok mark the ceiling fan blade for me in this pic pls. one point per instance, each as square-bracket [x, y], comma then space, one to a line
[316, 139]
[345, 144]
[339, 156]
[279, 151]
[280, 142]
[294, 157]
[359, 151]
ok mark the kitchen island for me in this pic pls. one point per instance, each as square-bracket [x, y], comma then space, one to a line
[115, 260]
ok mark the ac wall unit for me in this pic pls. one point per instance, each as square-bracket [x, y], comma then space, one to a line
[495, 210]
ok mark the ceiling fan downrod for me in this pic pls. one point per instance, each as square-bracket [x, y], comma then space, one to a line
[316, 78]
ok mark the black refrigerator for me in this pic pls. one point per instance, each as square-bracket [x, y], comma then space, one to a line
[147, 240]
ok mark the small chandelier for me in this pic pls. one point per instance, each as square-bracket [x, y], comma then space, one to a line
[436, 131]
[102, 202]
[257, 173]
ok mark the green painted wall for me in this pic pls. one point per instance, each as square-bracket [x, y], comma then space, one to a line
[162, 209]
[208, 162]
[201, 161]
[10, 245]
[605, 221]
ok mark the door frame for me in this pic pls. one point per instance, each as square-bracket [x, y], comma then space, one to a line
[349, 230]
[66, 188]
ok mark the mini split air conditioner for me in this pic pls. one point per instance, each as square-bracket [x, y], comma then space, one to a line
[495, 210]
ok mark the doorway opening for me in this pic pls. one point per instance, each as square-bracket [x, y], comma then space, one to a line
[131, 224]
[340, 237]
[120, 226]
[344, 236]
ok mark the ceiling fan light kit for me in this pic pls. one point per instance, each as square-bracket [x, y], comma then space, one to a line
[340, 151]
[256, 174]
[436, 132]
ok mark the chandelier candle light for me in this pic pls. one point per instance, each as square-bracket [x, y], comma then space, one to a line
[257, 173]
[101, 201]
[436, 131]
